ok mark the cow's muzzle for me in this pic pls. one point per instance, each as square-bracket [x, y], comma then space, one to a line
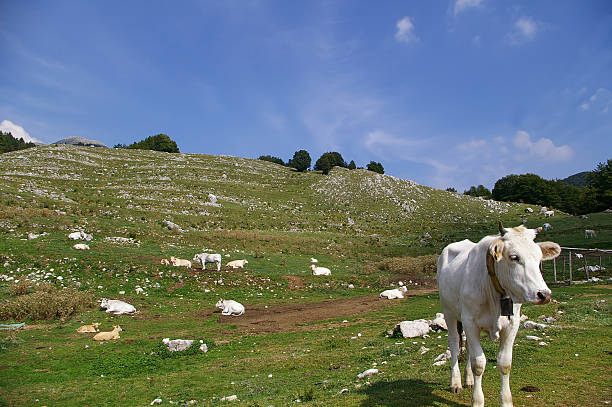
[543, 297]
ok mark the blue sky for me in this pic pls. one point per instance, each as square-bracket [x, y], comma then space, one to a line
[445, 93]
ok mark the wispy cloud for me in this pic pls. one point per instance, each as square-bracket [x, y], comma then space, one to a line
[601, 100]
[405, 31]
[524, 30]
[17, 131]
[462, 5]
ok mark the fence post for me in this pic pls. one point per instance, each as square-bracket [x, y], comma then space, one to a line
[586, 269]
[555, 268]
[570, 267]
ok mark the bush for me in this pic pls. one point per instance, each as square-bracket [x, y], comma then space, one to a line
[271, 159]
[376, 167]
[329, 160]
[160, 142]
[480, 190]
[46, 303]
[301, 160]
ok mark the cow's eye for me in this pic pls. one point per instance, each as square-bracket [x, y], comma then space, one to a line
[514, 257]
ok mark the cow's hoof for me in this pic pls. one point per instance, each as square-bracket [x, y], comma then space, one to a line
[469, 386]
[456, 389]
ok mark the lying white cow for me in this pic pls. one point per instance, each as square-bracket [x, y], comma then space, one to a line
[81, 246]
[237, 264]
[394, 293]
[589, 233]
[548, 214]
[230, 307]
[117, 307]
[204, 258]
[180, 262]
[80, 236]
[320, 271]
[472, 280]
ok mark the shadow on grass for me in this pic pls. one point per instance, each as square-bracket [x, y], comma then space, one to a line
[415, 393]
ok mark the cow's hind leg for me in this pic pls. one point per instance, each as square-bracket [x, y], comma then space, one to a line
[454, 338]
[468, 375]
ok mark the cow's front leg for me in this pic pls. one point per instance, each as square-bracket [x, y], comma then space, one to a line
[478, 362]
[504, 361]
[468, 378]
[453, 345]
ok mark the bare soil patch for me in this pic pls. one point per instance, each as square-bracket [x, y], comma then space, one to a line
[295, 282]
[292, 317]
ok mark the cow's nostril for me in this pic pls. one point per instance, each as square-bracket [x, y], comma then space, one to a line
[541, 296]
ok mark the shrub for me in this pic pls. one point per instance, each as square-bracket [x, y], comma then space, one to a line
[376, 167]
[329, 160]
[160, 142]
[47, 303]
[271, 159]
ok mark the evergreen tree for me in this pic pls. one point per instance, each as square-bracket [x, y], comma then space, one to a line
[451, 189]
[376, 167]
[329, 160]
[301, 160]
[271, 159]
[480, 190]
[352, 165]
[10, 143]
[601, 186]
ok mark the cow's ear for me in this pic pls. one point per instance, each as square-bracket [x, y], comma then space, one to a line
[550, 250]
[496, 249]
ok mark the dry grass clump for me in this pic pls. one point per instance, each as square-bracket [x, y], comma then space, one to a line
[45, 303]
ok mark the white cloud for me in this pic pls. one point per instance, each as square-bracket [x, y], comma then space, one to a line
[584, 106]
[462, 5]
[405, 31]
[525, 29]
[17, 131]
[380, 138]
[543, 148]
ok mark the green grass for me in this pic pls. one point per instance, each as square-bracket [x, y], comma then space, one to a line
[361, 225]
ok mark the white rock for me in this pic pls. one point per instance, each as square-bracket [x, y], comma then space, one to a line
[438, 322]
[177, 345]
[533, 338]
[423, 350]
[366, 373]
[443, 356]
[412, 329]
[533, 325]
[156, 401]
[233, 397]
[542, 344]
[440, 363]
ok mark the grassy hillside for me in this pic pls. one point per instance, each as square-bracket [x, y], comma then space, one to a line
[299, 337]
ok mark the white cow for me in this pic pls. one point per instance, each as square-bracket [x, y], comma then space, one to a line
[394, 293]
[230, 307]
[472, 279]
[237, 264]
[204, 258]
[80, 236]
[543, 209]
[180, 262]
[548, 214]
[589, 233]
[117, 307]
[320, 271]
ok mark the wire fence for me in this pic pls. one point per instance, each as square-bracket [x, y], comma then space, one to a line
[578, 264]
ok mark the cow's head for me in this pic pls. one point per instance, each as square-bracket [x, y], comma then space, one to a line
[104, 303]
[518, 259]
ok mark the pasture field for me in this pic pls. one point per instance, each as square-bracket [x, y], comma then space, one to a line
[295, 340]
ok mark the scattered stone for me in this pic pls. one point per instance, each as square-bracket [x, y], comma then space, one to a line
[366, 373]
[438, 322]
[533, 325]
[533, 338]
[423, 350]
[233, 397]
[156, 401]
[343, 391]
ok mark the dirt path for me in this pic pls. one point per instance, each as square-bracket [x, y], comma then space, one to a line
[291, 317]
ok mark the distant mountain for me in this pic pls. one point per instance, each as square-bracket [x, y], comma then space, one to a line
[80, 141]
[579, 180]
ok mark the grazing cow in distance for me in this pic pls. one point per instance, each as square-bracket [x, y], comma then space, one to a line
[548, 214]
[482, 287]
[589, 233]
[204, 258]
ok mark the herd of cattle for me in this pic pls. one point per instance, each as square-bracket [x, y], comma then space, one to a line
[481, 286]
